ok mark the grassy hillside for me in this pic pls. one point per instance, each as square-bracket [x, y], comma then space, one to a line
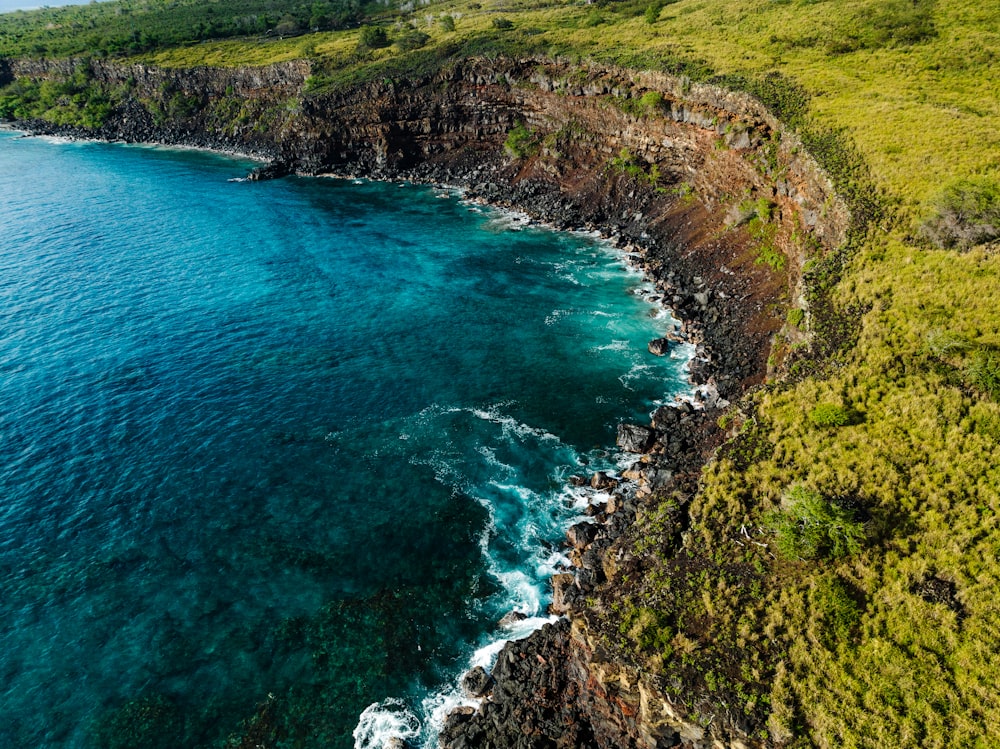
[841, 580]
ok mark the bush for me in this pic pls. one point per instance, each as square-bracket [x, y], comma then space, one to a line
[795, 316]
[812, 527]
[966, 213]
[837, 612]
[502, 24]
[653, 11]
[828, 415]
[943, 344]
[521, 142]
[772, 258]
[447, 23]
[373, 37]
[983, 372]
[651, 101]
[649, 630]
[412, 40]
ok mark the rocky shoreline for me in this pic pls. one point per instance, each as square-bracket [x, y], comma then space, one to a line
[542, 691]
[590, 167]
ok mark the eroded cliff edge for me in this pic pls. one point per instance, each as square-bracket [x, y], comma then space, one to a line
[722, 207]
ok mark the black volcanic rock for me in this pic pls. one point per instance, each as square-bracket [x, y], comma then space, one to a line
[635, 438]
[659, 346]
[477, 683]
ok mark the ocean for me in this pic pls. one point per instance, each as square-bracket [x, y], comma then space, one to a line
[276, 458]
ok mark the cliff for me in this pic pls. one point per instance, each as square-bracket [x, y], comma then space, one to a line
[721, 203]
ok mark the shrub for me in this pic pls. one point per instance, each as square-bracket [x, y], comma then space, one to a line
[795, 316]
[651, 101]
[653, 11]
[827, 415]
[965, 213]
[943, 344]
[837, 612]
[502, 24]
[447, 23]
[649, 630]
[769, 256]
[412, 40]
[373, 37]
[521, 142]
[685, 192]
[983, 372]
[812, 527]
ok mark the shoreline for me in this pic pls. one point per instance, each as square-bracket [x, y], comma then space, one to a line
[602, 249]
[700, 265]
[627, 255]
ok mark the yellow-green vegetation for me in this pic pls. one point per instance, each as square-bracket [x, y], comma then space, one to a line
[839, 583]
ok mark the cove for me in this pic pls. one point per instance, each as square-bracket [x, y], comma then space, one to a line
[274, 452]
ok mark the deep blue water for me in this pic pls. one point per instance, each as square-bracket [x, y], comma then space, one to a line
[306, 438]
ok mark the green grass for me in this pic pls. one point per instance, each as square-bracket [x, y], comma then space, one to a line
[797, 600]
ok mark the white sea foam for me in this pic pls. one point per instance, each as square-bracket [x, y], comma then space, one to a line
[502, 221]
[437, 705]
[637, 371]
[556, 315]
[523, 493]
[511, 425]
[615, 345]
[490, 455]
[516, 540]
[385, 723]
[523, 592]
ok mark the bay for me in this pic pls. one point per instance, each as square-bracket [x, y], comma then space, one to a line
[274, 453]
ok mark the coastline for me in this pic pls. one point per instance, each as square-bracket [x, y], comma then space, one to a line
[702, 267]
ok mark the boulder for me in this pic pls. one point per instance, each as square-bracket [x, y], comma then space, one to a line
[274, 170]
[634, 438]
[564, 592]
[581, 535]
[477, 683]
[659, 346]
[511, 618]
[455, 726]
[665, 416]
[602, 481]
[613, 505]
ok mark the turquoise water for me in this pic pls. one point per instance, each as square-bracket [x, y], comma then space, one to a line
[276, 457]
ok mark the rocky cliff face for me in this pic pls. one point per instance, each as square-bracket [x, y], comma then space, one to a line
[670, 170]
